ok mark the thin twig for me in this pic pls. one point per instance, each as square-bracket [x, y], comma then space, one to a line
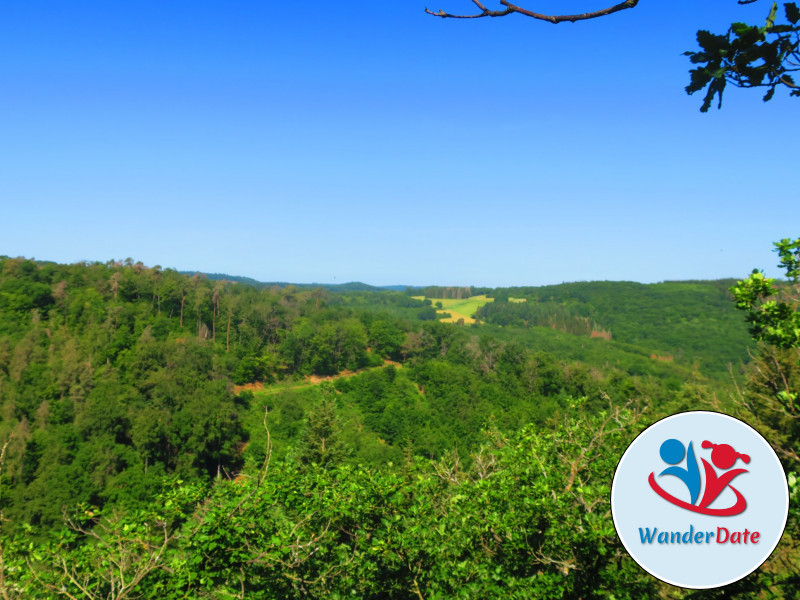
[262, 474]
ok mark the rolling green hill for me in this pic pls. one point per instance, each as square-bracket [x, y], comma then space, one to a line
[693, 323]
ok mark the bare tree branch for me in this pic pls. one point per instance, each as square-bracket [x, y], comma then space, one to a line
[262, 474]
[513, 8]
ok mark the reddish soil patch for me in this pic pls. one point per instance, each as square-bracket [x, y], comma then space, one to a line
[606, 335]
[320, 378]
[313, 379]
[248, 387]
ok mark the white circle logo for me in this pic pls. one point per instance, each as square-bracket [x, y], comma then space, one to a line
[699, 500]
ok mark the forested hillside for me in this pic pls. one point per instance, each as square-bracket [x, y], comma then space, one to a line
[693, 322]
[169, 436]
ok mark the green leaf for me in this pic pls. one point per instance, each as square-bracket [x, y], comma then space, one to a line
[710, 41]
[771, 17]
[792, 12]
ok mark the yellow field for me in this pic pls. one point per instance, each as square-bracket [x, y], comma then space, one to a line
[459, 309]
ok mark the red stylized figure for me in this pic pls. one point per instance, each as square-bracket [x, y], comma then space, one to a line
[724, 457]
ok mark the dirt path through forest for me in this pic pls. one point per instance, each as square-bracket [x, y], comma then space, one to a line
[308, 381]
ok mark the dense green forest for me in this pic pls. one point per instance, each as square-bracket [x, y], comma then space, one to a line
[688, 321]
[176, 436]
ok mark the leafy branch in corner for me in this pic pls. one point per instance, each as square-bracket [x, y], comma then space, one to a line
[748, 57]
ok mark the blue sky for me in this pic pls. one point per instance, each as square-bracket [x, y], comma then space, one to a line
[329, 142]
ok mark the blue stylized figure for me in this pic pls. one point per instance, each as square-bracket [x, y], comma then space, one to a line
[672, 452]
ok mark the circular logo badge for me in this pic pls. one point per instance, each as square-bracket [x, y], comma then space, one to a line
[699, 500]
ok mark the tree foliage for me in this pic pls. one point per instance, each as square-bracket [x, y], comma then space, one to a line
[770, 398]
[773, 310]
[748, 57]
[529, 519]
[776, 322]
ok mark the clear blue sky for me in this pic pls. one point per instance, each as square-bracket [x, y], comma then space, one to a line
[328, 141]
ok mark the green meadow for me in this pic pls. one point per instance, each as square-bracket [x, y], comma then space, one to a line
[459, 308]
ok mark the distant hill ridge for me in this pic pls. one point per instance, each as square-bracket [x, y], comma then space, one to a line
[463, 292]
[352, 286]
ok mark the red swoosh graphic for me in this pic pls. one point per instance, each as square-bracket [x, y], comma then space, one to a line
[737, 508]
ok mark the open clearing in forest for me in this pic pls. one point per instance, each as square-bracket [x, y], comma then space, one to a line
[260, 389]
[459, 309]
